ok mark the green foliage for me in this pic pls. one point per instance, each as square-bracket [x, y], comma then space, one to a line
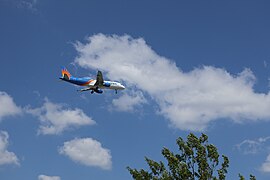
[197, 160]
[241, 177]
[251, 177]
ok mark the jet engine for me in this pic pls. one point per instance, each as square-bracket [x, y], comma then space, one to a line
[99, 91]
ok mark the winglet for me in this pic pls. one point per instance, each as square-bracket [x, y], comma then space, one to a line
[65, 74]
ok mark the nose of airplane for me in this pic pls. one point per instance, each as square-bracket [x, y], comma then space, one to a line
[122, 87]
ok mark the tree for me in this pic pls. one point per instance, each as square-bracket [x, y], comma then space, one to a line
[251, 177]
[197, 160]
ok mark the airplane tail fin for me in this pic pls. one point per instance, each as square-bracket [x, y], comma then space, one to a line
[65, 74]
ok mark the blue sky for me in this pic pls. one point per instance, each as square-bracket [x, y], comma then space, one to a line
[188, 66]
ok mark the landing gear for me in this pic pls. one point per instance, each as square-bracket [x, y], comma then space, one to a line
[92, 91]
[116, 91]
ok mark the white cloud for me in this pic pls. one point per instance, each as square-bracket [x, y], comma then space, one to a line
[6, 157]
[265, 64]
[253, 146]
[55, 118]
[249, 147]
[190, 100]
[44, 177]
[87, 151]
[27, 4]
[266, 165]
[256, 146]
[8, 107]
[129, 101]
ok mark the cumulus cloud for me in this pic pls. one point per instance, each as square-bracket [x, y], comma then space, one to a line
[8, 106]
[129, 101]
[44, 177]
[6, 157]
[56, 118]
[87, 151]
[190, 100]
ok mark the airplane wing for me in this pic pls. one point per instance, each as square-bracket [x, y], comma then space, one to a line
[85, 89]
[100, 80]
[97, 90]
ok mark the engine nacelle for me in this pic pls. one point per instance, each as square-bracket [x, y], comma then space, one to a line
[99, 91]
[106, 84]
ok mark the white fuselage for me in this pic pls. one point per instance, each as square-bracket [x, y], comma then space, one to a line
[107, 85]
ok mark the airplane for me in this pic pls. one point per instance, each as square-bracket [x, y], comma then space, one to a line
[93, 85]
